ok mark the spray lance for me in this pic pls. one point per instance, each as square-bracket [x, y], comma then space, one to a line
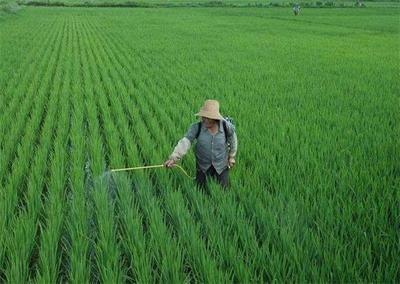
[150, 167]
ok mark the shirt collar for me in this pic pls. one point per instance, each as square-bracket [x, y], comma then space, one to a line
[220, 126]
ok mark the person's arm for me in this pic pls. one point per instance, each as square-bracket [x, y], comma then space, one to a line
[233, 145]
[181, 148]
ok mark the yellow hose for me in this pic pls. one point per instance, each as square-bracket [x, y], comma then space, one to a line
[149, 167]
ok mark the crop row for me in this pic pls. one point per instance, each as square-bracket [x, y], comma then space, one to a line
[313, 192]
[13, 197]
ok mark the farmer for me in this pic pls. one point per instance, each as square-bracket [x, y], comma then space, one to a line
[296, 9]
[215, 149]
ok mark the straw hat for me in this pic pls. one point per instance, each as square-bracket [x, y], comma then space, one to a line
[210, 109]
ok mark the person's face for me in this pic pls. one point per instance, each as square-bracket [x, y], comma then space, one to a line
[208, 122]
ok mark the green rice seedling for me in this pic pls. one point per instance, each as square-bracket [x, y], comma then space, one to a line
[107, 252]
[133, 238]
[222, 242]
[13, 134]
[137, 263]
[233, 217]
[169, 261]
[313, 195]
[204, 267]
[52, 229]
[15, 181]
[79, 242]
[167, 256]
[25, 225]
[13, 50]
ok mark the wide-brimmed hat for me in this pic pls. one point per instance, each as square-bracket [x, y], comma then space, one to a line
[210, 109]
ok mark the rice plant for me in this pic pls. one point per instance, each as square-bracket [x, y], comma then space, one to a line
[315, 192]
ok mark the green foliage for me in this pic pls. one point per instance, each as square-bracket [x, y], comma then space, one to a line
[314, 194]
[9, 6]
[203, 3]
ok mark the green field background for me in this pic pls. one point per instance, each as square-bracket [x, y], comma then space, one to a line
[208, 3]
[4, 4]
[314, 194]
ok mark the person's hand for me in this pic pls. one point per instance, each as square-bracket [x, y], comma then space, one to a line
[170, 163]
[231, 162]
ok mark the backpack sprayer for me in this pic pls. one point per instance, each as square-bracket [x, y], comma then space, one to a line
[150, 167]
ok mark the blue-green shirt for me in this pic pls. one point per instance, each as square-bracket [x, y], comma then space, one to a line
[210, 149]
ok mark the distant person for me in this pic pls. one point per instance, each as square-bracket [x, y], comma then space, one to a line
[296, 9]
[215, 149]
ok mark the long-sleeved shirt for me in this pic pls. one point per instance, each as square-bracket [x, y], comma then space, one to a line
[210, 149]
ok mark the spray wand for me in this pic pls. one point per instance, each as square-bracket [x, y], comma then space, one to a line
[150, 167]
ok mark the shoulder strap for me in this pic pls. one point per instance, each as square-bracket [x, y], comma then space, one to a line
[198, 129]
[226, 131]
